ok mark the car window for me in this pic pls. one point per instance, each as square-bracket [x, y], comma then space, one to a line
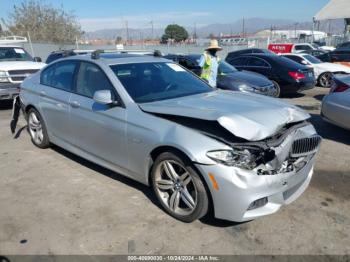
[239, 61]
[312, 59]
[147, 82]
[225, 68]
[53, 57]
[59, 75]
[257, 62]
[295, 58]
[302, 47]
[14, 54]
[90, 79]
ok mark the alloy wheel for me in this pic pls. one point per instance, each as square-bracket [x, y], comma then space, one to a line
[35, 128]
[175, 187]
[325, 79]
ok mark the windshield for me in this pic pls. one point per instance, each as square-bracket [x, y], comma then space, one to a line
[225, 68]
[312, 59]
[14, 54]
[148, 82]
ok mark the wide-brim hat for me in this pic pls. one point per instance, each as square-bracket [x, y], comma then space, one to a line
[214, 45]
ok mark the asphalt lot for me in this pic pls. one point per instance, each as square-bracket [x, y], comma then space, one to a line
[53, 202]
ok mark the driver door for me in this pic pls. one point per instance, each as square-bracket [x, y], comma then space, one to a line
[99, 130]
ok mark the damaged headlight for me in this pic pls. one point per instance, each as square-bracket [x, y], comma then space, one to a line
[242, 158]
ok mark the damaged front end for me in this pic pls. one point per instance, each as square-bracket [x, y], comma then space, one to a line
[287, 151]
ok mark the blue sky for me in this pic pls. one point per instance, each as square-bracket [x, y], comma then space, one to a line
[103, 14]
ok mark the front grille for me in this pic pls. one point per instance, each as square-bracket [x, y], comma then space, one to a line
[305, 146]
[20, 75]
[22, 72]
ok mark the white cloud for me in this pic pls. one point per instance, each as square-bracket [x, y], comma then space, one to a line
[144, 20]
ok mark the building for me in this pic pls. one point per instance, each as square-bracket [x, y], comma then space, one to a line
[291, 34]
[335, 9]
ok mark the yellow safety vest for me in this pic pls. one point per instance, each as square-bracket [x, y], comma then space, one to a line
[206, 70]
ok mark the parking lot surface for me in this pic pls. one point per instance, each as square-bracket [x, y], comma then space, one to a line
[53, 202]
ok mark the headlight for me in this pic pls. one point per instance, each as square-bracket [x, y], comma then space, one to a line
[245, 88]
[242, 158]
[3, 77]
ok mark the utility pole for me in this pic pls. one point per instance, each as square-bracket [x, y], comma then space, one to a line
[195, 32]
[152, 28]
[127, 31]
[243, 28]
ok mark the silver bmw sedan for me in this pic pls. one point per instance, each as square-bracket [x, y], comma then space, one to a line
[147, 118]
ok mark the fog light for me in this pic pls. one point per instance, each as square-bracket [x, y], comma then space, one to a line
[258, 203]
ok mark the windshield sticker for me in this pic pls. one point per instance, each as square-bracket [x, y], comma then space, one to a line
[176, 67]
[19, 51]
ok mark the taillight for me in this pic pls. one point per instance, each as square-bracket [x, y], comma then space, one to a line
[297, 75]
[339, 89]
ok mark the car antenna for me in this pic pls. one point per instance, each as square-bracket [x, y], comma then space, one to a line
[96, 54]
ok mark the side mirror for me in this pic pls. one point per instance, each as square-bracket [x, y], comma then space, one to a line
[104, 97]
[304, 62]
[37, 59]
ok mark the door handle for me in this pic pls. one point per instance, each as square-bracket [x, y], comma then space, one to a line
[74, 104]
[42, 93]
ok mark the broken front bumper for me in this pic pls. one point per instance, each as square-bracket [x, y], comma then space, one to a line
[238, 190]
[8, 90]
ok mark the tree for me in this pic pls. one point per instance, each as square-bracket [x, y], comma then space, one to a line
[175, 32]
[44, 22]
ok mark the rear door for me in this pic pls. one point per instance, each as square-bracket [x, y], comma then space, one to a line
[240, 62]
[99, 130]
[259, 65]
[56, 85]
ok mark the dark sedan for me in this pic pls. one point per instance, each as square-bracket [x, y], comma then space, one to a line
[341, 54]
[287, 75]
[229, 78]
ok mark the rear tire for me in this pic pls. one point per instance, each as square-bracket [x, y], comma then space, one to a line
[178, 187]
[37, 129]
[278, 89]
[325, 79]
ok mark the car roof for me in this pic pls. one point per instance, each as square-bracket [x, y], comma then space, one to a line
[119, 58]
[266, 55]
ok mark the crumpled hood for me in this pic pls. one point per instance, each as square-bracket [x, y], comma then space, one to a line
[249, 116]
[20, 65]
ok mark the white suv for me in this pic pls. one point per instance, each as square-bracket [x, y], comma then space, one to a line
[15, 65]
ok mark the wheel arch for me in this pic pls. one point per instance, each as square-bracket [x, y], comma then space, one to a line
[167, 148]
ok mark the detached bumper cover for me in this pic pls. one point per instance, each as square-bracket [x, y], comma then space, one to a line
[238, 189]
[8, 90]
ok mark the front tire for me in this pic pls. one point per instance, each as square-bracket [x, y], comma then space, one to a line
[178, 187]
[37, 129]
[325, 79]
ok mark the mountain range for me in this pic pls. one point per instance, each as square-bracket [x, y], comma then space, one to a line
[251, 26]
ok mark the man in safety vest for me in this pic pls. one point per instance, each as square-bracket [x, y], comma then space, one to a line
[209, 63]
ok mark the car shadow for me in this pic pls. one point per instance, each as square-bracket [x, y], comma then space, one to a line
[329, 131]
[209, 219]
[109, 173]
[293, 95]
[319, 97]
[6, 104]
